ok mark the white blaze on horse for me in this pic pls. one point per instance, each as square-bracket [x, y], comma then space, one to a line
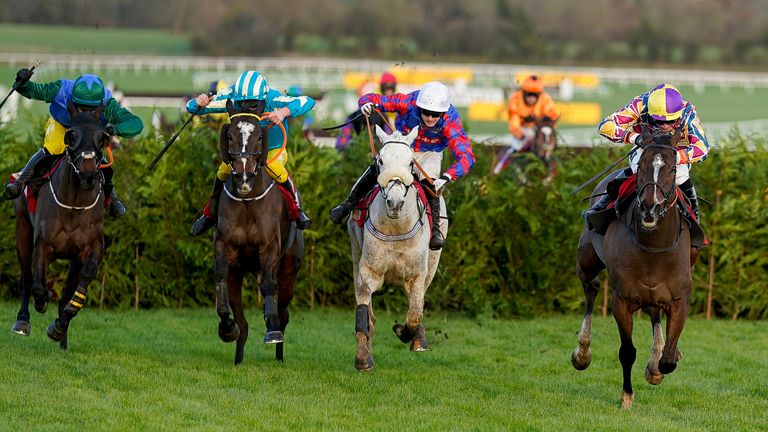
[392, 246]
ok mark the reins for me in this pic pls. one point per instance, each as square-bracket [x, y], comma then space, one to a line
[282, 128]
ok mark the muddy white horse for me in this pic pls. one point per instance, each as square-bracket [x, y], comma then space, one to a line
[392, 246]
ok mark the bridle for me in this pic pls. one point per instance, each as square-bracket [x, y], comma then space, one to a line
[395, 181]
[669, 197]
[243, 153]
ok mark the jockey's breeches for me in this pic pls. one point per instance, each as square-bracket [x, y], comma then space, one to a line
[682, 171]
[275, 169]
[54, 137]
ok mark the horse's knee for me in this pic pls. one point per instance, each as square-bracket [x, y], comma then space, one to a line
[627, 354]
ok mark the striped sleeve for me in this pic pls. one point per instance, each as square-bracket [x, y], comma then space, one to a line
[616, 127]
[460, 146]
[698, 146]
[397, 103]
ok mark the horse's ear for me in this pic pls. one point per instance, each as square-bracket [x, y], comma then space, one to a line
[381, 134]
[645, 135]
[71, 109]
[265, 140]
[224, 142]
[99, 109]
[678, 135]
[230, 107]
[69, 137]
[412, 134]
[261, 106]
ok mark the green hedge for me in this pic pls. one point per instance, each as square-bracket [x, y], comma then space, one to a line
[510, 249]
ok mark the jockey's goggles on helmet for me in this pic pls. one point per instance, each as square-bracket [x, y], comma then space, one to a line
[433, 114]
[82, 107]
[526, 94]
[655, 122]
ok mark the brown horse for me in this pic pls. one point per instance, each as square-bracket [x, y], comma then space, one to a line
[544, 145]
[253, 233]
[67, 224]
[647, 251]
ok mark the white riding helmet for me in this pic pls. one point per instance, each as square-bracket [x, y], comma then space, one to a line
[434, 96]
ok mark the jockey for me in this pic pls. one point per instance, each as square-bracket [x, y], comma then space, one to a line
[387, 86]
[86, 93]
[661, 110]
[250, 89]
[526, 106]
[439, 127]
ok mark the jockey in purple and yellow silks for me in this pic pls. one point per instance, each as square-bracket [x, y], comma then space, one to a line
[85, 93]
[439, 128]
[249, 91]
[663, 110]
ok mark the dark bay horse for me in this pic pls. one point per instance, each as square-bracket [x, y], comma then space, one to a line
[67, 224]
[253, 233]
[647, 251]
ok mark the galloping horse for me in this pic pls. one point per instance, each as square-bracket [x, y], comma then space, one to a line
[67, 224]
[253, 233]
[393, 247]
[649, 257]
[542, 146]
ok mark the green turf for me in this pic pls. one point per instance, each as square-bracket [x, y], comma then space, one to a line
[167, 370]
[91, 40]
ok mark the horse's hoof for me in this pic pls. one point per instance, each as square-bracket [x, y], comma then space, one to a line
[653, 378]
[581, 362]
[21, 327]
[228, 335]
[41, 307]
[364, 365]
[627, 399]
[419, 345]
[403, 333]
[55, 332]
[273, 337]
[667, 368]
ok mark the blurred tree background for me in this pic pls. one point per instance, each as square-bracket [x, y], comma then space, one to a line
[705, 33]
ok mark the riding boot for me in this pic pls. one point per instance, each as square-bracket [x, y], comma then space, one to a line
[13, 189]
[603, 202]
[363, 185]
[303, 220]
[436, 241]
[211, 210]
[116, 207]
[689, 190]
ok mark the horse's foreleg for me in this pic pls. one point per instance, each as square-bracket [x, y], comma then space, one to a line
[235, 291]
[268, 289]
[58, 332]
[581, 357]
[228, 329]
[286, 281]
[413, 331]
[627, 352]
[366, 284]
[676, 316]
[41, 259]
[652, 374]
[22, 325]
[81, 272]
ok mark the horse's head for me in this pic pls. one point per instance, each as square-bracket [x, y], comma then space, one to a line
[242, 144]
[85, 141]
[656, 177]
[395, 163]
[545, 139]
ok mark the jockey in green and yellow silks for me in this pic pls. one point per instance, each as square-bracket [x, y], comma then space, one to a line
[252, 86]
[86, 93]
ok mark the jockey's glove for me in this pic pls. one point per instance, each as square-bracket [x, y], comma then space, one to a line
[110, 129]
[22, 76]
[682, 157]
[442, 181]
[367, 108]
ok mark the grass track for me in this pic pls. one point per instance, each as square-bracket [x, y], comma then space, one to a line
[166, 369]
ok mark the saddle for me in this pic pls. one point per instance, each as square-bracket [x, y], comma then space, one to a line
[360, 211]
[622, 192]
[40, 178]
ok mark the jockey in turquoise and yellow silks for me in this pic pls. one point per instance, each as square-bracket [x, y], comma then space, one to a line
[86, 93]
[251, 86]
[660, 110]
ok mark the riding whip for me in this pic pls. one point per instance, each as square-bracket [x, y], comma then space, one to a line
[173, 138]
[601, 173]
[352, 120]
[15, 84]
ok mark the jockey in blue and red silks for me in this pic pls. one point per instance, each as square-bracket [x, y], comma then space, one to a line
[439, 128]
[661, 110]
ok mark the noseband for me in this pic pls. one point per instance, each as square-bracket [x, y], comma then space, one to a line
[385, 189]
[243, 154]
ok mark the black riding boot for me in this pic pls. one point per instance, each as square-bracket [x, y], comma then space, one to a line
[211, 210]
[689, 190]
[13, 189]
[363, 185]
[303, 221]
[116, 207]
[436, 241]
[603, 202]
